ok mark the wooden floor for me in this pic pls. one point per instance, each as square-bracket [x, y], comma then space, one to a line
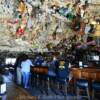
[15, 92]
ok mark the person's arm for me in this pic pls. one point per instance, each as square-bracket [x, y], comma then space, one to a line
[31, 64]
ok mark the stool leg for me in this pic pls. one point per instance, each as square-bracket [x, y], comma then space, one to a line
[66, 93]
[48, 85]
[93, 95]
[37, 80]
[66, 89]
[88, 93]
[52, 83]
[42, 83]
[30, 81]
[77, 91]
[58, 86]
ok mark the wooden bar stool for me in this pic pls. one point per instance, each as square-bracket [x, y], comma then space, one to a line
[82, 84]
[95, 88]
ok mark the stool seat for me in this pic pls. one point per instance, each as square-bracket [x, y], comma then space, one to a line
[81, 83]
[51, 74]
[62, 81]
[95, 89]
[96, 85]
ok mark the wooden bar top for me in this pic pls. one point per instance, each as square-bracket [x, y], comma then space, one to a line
[40, 69]
[87, 69]
[86, 73]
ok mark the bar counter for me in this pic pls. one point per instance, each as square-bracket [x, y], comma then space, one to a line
[86, 73]
[39, 69]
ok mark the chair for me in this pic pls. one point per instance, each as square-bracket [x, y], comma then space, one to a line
[95, 88]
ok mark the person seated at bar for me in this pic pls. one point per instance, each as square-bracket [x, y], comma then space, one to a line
[45, 63]
[17, 69]
[25, 70]
[54, 64]
[38, 61]
[63, 67]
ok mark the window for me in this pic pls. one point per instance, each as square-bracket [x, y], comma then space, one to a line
[10, 61]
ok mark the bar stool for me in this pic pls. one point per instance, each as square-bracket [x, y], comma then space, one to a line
[82, 84]
[80, 81]
[50, 76]
[64, 82]
[96, 88]
[33, 79]
[42, 82]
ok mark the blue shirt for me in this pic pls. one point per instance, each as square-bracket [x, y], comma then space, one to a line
[38, 61]
[25, 65]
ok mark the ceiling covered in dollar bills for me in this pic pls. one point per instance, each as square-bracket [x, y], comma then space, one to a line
[33, 24]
